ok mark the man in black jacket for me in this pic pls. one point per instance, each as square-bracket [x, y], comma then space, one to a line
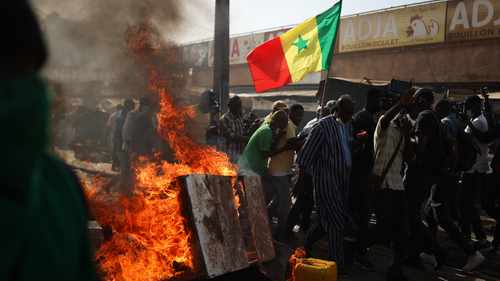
[364, 123]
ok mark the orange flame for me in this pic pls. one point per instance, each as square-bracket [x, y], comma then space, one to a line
[151, 239]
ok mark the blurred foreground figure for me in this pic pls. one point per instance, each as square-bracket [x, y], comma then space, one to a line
[42, 207]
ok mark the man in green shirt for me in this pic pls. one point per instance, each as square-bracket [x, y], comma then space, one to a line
[262, 145]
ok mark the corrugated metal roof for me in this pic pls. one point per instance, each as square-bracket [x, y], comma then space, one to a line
[365, 81]
[277, 94]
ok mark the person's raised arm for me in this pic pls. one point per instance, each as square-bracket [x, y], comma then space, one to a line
[386, 119]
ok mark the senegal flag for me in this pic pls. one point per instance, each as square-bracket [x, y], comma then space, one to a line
[306, 48]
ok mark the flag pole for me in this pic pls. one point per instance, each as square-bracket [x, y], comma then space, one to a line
[322, 102]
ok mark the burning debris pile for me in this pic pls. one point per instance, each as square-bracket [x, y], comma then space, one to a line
[151, 238]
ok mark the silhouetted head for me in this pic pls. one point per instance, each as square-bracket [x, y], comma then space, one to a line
[234, 105]
[279, 105]
[330, 107]
[145, 103]
[279, 121]
[424, 99]
[345, 108]
[128, 105]
[474, 104]
[23, 46]
[374, 100]
[443, 108]
[296, 114]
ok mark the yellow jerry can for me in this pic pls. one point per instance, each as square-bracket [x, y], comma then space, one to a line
[315, 270]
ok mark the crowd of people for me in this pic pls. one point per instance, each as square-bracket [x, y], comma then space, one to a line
[131, 134]
[413, 163]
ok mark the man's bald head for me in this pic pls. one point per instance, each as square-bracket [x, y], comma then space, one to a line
[279, 120]
[345, 108]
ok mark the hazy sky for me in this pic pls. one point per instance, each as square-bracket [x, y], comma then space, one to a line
[254, 15]
[246, 15]
[250, 15]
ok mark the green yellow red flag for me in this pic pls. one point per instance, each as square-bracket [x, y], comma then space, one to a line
[303, 49]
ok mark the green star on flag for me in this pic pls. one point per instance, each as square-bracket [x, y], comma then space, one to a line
[301, 44]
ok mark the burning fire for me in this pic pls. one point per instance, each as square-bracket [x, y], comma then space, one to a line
[151, 239]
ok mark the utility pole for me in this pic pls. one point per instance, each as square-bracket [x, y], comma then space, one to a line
[221, 53]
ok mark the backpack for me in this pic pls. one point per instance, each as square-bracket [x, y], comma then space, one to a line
[467, 151]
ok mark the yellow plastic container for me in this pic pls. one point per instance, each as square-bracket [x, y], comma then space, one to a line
[315, 270]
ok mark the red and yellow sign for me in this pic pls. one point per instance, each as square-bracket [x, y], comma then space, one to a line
[422, 24]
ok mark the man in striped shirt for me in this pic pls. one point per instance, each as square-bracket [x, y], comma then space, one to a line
[233, 129]
[327, 154]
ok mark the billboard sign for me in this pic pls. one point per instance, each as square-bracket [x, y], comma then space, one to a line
[422, 24]
[473, 19]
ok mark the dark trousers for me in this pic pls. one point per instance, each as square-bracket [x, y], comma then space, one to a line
[302, 209]
[335, 241]
[115, 155]
[496, 234]
[360, 209]
[392, 223]
[277, 193]
[470, 205]
[442, 215]
[494, 205]
[127, 177]
[421, 238]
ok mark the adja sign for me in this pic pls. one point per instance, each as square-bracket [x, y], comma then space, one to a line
[473, 19]
[421, 24]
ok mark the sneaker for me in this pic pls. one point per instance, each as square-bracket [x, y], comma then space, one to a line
[365, 263]
[429, 259]
[473, 261]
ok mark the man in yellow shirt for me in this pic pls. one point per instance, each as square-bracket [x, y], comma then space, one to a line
[278, 181]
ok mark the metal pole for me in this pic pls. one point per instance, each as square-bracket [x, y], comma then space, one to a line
[221, 53]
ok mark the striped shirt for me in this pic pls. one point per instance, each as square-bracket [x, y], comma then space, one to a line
[386, 142]
[232, 126]
[325, 155]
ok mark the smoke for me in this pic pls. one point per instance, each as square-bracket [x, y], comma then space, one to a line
[87, 38]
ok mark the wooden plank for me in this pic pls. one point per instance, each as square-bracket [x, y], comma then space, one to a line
[258, 219]
[217, 224]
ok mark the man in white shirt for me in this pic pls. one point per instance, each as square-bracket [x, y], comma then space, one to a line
[470, 197]
[390, 141]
